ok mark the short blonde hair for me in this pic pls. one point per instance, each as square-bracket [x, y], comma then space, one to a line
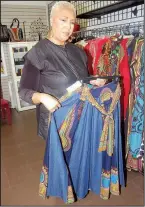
[61, 5]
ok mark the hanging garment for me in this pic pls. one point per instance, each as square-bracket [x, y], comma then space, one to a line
[84, 147]
[124, 71]
[134, 53]
[136, 135]
[141, 151]
[134, 164]
[94, 50]
[136, 64]
[108, 56]
[130, 49]
[104, 55]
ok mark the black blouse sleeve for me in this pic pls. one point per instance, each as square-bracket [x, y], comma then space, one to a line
[29, 83]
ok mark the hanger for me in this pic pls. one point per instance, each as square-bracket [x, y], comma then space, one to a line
[115, 78]
[91, 37]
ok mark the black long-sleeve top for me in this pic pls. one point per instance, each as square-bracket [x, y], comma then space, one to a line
[50, 69]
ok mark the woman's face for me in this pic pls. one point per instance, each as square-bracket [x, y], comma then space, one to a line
[62, 25]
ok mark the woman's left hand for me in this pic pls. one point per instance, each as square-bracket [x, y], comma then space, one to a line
[98, 82]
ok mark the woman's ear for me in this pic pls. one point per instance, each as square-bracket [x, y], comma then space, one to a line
[51, 22]
[50, 33]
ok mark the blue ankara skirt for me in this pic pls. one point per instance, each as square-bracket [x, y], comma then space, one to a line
[80, 166]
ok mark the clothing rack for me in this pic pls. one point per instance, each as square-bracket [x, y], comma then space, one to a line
[123, 29]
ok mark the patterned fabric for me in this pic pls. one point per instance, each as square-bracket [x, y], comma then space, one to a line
[43, 182]
[108, 128]
[104, 66]
[125, 76]
[104, 55]
[132, 163]
[141, 151]
[129, 123]
[136, 135]
[109, 183]
[135, 164]
[74, 156]
[131, 49]
[65, 129]
[117, 53]
[108, 56]
[136, 104]
[93, 50]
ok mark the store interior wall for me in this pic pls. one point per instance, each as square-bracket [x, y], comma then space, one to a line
[27, 11]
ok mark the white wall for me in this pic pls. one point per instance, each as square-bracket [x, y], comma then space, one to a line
[24, 13]
[5, 81]
[27, 11]
[36, 3]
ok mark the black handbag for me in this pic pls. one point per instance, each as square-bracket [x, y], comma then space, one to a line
[4, 33]
[16, 34]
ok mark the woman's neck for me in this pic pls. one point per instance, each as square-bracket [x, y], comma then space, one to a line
[57, 42]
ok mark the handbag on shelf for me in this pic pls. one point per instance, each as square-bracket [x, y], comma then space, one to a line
[4, 33]
[16, 33]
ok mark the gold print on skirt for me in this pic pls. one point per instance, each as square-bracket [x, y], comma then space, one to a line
[65, 130]
[108, 128]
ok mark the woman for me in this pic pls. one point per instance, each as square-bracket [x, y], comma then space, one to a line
[78, 156]
[52, 65]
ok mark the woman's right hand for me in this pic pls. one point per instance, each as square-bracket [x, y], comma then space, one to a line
[49, 102]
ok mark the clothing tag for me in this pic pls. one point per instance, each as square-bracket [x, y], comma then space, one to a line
[74, 86]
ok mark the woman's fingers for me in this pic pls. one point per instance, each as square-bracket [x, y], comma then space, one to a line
[58, 105]
[55, 108]
[98, 82]
[93, 82]
[52, 110]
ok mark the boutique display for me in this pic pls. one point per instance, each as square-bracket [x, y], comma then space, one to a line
[14, 60]
[123, 55]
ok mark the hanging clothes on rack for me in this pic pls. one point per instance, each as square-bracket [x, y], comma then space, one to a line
[130, 49]
[138, 120]
[141, 151]
[134, 53]
[108, 56]
[136, 135]
[140, 156]
[93, 50]
[120, 55]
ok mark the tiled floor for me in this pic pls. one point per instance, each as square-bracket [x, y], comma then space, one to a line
[21, 159]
